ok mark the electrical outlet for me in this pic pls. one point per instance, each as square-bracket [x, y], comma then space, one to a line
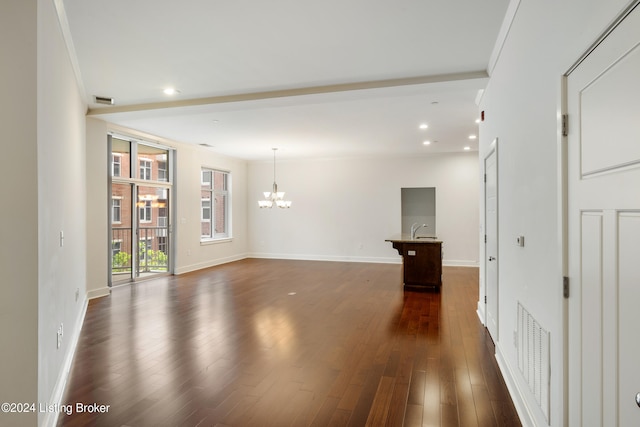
[520, 241]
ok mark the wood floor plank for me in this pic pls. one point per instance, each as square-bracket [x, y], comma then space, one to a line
[288, 343]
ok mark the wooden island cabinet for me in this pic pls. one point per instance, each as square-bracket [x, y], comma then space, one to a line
[422, 262]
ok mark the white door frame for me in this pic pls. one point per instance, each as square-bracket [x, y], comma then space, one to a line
[493, 151]
[563, 239]
[571, 403]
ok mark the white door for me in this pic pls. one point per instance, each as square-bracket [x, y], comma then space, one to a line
[603, 102]
[491, 242]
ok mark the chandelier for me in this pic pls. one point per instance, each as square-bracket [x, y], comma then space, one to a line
[274, 196]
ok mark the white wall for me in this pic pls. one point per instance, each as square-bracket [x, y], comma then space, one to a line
[61, 206]
[43, 193]
[43, 123]
[344, 209]
[19, 213]
[190, 253]
[97, 208]
[521, 105]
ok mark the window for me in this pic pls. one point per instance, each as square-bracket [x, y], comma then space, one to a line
[116, 164]
[145, 211]
[120, 158]
[116, 211]
[162, 244]
[162, 215]
[145, 169]
[162, 171]
[116, 247]
[206, 210]
[214, 204]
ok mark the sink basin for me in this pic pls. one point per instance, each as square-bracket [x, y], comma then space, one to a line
[426, 237]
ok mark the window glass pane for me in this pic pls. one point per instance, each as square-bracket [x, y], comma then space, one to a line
[206, 179]
[220, 214]
[219, 180]
[153, 214]
[214, 186]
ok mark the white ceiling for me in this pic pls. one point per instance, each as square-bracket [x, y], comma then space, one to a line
[331, 78]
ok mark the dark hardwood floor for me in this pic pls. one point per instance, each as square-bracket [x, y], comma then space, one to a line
[288, 343]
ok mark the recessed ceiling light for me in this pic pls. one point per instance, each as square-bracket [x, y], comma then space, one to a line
[477, 120]
[424, 126]
[467, 148]
[472, 137]
[426, 143]
[171, 91]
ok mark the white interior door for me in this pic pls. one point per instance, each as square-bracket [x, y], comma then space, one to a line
[603, 101]
[491, 242]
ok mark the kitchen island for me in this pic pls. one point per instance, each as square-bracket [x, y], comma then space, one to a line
[421, 260]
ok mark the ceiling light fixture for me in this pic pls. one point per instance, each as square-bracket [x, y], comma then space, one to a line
[424, 126]
[171, 91]
[467, 148]
[426, 143]
[274, 197]
[472, 137]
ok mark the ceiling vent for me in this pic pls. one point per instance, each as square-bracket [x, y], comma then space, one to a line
[104, 100]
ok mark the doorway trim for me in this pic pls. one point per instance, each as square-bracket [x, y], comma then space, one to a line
[571, 303]
[493, 151]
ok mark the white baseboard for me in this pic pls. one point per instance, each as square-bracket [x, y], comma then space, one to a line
[459, 263]
[310, 257]
[206, 264]
[98, 293]
[481, 314]
[50, 418]
[526, 417]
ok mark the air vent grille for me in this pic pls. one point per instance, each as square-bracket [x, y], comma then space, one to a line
[534, 357]
[104, 100]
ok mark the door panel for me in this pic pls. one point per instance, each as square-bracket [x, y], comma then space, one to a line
[629, 300]
[152, 230]
[607, 104]
[591, 273]
[603, 214]
[141, 181]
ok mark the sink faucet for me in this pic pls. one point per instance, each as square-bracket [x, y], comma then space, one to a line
[414, 229]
